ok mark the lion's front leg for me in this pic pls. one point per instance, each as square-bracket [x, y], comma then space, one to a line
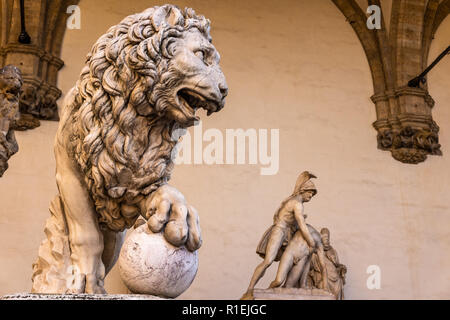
[85, 237]
[167, 210]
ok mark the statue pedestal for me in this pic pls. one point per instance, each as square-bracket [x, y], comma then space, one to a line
[81, 296]
[292, 294]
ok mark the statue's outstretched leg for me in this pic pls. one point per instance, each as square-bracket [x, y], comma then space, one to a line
[274, 243]
[296, 250]
[303, 282]
[85, 237]
[295, 273]
[321, 255]
[286, 263]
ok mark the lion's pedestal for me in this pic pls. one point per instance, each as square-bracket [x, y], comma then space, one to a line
[31, 296]
[292, 294]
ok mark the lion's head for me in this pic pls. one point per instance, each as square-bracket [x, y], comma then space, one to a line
[161, 62]
[144, 78]
[10, 84]
[192, 79]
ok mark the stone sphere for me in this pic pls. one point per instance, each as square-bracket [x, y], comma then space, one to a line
[148, 264]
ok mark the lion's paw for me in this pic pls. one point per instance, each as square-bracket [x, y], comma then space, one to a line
[86, 284]
[167, 211]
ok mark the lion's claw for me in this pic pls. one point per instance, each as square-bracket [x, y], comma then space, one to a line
[168, 212]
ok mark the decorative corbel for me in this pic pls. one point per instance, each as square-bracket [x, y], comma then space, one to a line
[31, 35]
[404, 120]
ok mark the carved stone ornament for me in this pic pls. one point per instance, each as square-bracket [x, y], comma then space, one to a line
[404, 120]
[309, 267]
[39, 59]
[10, 84]
[142, 83]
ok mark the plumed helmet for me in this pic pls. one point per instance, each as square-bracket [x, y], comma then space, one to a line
[304, 183]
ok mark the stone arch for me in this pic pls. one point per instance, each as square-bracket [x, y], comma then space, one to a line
[39, 60]
[404, 121]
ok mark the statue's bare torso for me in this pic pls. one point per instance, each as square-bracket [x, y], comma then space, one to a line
[285, 216]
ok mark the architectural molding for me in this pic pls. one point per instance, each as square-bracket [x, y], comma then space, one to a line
[40, 59]
[404, 119]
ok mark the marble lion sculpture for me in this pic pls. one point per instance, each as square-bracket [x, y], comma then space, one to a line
[143, 81]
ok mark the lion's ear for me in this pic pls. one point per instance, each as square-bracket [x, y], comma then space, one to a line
[170, 15]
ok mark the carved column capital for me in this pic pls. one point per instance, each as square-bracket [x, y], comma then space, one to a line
[40, 59]
[10, 85]
[404, 120]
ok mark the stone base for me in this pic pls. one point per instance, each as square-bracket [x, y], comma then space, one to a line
[83, 296]
[292, 294]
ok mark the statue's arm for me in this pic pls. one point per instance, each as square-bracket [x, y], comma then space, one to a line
[337, 257]
[341, 268]
[298, 211]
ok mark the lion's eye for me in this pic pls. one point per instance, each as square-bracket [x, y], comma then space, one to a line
[200, 55]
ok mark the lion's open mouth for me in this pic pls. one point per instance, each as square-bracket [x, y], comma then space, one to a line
[191, 101]
[12, 91]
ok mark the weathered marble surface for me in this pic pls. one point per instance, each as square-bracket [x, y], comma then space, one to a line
[292, 294]
[303, 253]
[148, 264]
[10, 85]
[81, 296]
[140, 89]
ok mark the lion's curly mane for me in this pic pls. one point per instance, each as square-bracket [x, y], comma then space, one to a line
[120, 137]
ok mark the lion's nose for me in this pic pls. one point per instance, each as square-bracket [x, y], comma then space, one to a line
[223, 90]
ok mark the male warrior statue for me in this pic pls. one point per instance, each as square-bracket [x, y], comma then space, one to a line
[287, 220]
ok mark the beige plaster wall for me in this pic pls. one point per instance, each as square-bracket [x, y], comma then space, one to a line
[296, 66]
